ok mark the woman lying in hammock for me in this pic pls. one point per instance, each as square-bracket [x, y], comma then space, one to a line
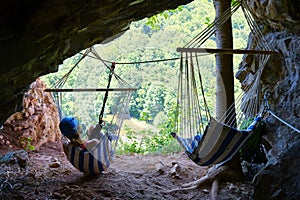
[90, 156]
[69, 127]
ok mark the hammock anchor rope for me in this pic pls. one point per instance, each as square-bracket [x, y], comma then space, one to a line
[268, 110]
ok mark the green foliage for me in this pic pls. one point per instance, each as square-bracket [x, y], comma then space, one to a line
[26, 143]
[143, 142]
[207, 22]
[246, 123]
[155, 21]
[154, 102]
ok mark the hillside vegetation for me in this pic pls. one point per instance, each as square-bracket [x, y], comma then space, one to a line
[154, 101]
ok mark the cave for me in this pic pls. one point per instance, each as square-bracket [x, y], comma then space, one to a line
[37, 36]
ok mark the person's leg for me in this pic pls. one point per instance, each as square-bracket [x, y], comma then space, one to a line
[91, 144]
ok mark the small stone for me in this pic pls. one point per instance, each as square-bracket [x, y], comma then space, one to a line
[53, 159]
[174, 163]
[56, 195]
[175, 170]
[54, 165]
[205, 191]
[233, 187]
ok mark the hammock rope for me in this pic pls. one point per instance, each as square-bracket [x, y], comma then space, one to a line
[206, 33]
[268, 110]
[106, 95]
[284, 122]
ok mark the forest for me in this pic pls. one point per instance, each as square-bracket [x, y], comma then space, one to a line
[146, 58]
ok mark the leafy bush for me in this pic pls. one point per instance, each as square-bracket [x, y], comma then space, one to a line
[144, 142]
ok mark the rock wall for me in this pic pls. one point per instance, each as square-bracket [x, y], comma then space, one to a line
[36, 124]
[280, 23]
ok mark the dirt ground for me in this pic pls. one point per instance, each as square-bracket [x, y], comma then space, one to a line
[129, 177]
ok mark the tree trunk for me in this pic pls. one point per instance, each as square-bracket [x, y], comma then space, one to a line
[224, 62]
[224, 71]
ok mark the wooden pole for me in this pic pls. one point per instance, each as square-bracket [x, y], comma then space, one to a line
[226, 51]
[88, 89]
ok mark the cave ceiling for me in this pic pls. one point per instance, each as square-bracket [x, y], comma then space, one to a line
[36, 36]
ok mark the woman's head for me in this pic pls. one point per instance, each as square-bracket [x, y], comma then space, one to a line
[69, 126]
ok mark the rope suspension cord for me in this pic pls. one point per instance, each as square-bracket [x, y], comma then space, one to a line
[58, 86]
[193, 46]
[118, 78]
[284, 122]
[189, 99]
[89, 89]
[205, 34]
[138, 62]
[254, 27]
[227, 51]
[122, 101]
[207, 111]
[268, 110]
[196, 99]
[247, 102]
[60, 83]
[106, 94]
[253, 89]
[191, 50]
[142, 62]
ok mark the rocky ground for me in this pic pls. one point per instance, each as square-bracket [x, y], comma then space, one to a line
[47, 174]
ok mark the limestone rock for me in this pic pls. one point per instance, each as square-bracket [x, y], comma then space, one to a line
[280, 179]
[279, 15]
[37, 123]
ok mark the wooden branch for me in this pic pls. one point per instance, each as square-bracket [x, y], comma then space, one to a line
[89, 89]
[227, 51]
[214, 189]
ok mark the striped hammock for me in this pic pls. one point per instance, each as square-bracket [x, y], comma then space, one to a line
[90, 160]
[218, 144]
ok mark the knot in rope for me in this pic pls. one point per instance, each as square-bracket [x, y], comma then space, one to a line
[266, 99]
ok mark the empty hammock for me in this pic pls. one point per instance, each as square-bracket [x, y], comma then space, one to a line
[97, 158]
[206, 140]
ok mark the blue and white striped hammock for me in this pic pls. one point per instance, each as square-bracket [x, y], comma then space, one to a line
[90, 161]
[218, 144]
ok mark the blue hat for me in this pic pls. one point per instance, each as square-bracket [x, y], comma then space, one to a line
[68, 126]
